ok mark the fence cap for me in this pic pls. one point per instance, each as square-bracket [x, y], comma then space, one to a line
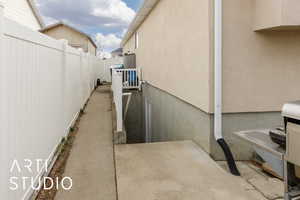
[116, 72]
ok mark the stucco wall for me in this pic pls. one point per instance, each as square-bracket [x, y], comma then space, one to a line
[263, 18]
[279, 14]
[235, 122]
[172, 119]
[261, 69]
[75, 39]
[291, 9]
[20, 11]
[174, 50]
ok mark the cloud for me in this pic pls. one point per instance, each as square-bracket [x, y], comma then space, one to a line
[88, 13]
[124, 31]
[117, 10]
[106, 20]
[107, 42]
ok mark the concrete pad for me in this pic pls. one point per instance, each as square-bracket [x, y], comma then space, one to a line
[91, 163]
[253, 178]
[173, 171]
[271, 188]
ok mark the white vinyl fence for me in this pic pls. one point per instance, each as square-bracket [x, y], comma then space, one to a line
[123, 79]
[43, 85]
[104, 71]
[117, 90]
[130, 78]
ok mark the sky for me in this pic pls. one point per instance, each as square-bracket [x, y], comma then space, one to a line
[106, 21]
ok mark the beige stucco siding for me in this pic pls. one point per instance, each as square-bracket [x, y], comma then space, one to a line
[261, 69]
[74, 38]
[174, 50]
[279, 14]
[20, 11]
[268, 14]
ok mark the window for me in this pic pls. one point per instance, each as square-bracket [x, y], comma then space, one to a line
[136, 40]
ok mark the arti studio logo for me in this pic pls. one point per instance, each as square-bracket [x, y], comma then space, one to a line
[32, 168]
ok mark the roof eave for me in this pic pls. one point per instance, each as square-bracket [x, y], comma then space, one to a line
[140, 17]
[43, 30]
[36, 13]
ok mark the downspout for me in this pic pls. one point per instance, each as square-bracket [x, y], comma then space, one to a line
[218, 88]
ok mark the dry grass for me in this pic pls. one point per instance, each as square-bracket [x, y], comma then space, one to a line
[59, 166]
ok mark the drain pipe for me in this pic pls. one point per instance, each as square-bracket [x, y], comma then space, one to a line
[218, 89]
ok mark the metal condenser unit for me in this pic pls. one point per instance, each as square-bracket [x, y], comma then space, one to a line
[291, 114]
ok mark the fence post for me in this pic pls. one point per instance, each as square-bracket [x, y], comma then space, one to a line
[82, 100]
[4, 145]
[139, 78]
[63, 83]
[112, 80]
[88, 74]
[119, 99]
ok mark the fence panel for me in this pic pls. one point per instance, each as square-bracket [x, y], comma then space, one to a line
[34, 102]
[130, 78]
[44, 84]
[85, 76]
[72, 99]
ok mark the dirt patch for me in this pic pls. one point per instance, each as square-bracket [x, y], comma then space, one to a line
[59, 166]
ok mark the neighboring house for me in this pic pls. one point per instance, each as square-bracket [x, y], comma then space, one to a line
[24, 12]
[117, 53]
[75, 37]
[174, 45]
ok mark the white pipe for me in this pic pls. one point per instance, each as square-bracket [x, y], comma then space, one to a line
[218, 90]
[218, 70]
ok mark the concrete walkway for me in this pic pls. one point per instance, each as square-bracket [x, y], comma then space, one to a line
[91, 163]
[174, 171]
[156, 171]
